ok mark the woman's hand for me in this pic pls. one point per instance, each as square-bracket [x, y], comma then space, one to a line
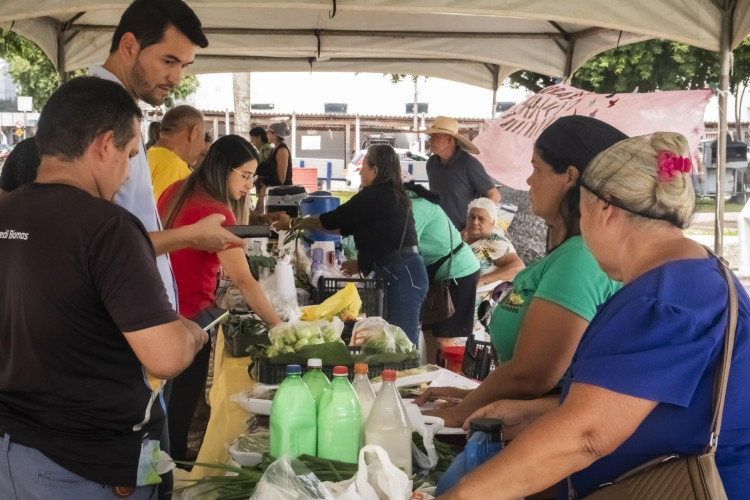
[280, 221]
[350, 267]
[453, 416]
[516, 415]
[434, 393]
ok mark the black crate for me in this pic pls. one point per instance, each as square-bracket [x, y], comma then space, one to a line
[371, 291]
[236, 345]
[274, 373]
[479, 359]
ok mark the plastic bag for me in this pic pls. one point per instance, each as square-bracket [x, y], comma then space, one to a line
[379, 479]
[287, 479]
[427, 427]
[286, 307]
[366, 327]
[345, 304]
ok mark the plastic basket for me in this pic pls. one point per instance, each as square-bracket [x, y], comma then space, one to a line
[274, 373]
[479, 359]
[371, 291]
[236, 345]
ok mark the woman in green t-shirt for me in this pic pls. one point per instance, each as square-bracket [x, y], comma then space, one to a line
[537, 326]
[446, 257]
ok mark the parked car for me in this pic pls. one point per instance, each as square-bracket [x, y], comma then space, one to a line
[417, 161]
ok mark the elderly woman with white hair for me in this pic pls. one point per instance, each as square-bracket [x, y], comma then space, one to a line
[498, 260]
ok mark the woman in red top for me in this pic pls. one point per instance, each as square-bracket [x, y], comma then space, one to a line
[219, 185]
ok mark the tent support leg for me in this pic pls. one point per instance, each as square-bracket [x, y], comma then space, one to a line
[724, 55]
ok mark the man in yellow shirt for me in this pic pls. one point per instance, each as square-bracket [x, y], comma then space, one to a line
[177, 150]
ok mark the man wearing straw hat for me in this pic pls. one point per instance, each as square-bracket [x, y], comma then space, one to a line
[454, 173]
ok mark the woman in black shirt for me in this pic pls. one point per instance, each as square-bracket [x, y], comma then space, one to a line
[276, 170]
[380, 220]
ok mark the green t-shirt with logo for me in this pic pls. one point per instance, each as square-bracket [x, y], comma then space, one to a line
[433, 226]
[568, 276]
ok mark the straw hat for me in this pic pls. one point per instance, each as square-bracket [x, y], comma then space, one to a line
[445, 125]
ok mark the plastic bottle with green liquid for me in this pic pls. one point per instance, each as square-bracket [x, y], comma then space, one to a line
[315, 379]
[339, 420]
[293, 423]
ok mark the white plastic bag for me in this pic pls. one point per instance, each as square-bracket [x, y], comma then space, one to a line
[378, 480]
[427, 427]
[287, 479]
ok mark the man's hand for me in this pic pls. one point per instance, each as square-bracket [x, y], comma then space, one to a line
[199, 334]
[208, 235]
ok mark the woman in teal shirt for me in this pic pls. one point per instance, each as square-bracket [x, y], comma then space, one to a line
[437, 238]
[536, 328]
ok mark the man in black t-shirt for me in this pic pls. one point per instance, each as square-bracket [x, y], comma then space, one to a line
[87, 333]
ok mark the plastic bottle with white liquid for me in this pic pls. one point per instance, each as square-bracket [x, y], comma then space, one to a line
[388, 425]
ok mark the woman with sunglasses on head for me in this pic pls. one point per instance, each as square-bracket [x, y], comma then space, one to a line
[537, 326]
[643, 382]
[219, 185]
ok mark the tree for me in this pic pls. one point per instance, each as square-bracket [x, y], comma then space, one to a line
[187, 86]
[33, 72]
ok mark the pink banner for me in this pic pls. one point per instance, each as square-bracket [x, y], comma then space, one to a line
[506, 143]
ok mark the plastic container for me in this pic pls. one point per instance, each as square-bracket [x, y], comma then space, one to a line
[318, 203]
[485, 441]
[315, 379]
[453, 358]
[388, 425]
[371, 291]
[339, 420]
[293, 422]
[365, 393]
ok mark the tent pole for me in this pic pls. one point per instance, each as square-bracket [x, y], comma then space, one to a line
[62, 76]
[495, 84]
[724, 54]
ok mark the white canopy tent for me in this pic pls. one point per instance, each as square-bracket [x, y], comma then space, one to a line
[479, 42]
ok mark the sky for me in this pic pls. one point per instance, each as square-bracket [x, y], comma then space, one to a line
[365, 93]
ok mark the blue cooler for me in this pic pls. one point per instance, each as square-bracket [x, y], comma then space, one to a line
[318, 203]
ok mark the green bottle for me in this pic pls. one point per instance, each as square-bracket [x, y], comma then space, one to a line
[293, 419]
[339, 420]
[315, 379]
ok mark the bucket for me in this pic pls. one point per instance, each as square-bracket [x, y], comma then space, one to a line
[453, 358]
[318, 203]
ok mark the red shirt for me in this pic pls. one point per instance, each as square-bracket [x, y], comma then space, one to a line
[195, 271]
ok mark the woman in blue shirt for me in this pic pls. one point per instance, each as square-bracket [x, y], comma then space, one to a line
[641, 382]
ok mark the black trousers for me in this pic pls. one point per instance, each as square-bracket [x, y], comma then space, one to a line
[187, 389]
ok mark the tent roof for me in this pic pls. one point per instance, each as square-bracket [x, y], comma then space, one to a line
[479, 42]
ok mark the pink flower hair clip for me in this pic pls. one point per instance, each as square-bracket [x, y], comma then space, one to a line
[670, 165]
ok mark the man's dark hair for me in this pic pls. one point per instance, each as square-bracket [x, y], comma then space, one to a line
[79, 111]
[149, 19]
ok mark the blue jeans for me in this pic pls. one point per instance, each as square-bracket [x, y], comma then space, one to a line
[27, 474]
[406, 281]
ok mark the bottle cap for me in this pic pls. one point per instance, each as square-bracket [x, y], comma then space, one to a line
[340, 371]
[360, 368]
[314, 363]
[293, 369]
[389, 375]
[488, 425]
